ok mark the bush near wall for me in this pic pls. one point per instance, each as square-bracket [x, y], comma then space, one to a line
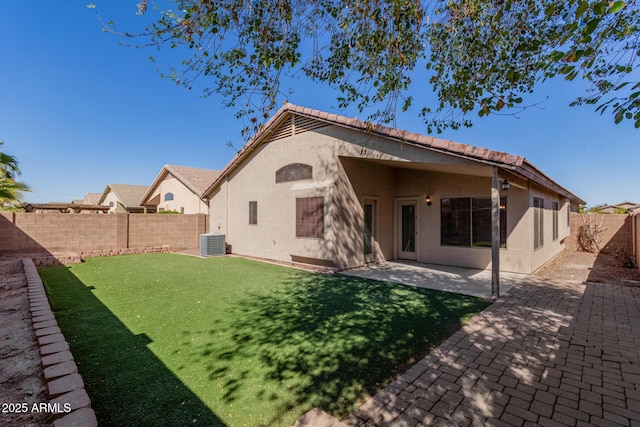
[617, 231]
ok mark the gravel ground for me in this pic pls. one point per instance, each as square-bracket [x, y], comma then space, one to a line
[21, 379]
[585, 266]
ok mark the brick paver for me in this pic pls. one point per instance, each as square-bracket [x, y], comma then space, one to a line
[548, 353]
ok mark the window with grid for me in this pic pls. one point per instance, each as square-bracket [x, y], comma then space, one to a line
[310, 217]
[466, 221]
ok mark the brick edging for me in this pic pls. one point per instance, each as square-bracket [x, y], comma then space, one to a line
[45, 260]
[64, 385]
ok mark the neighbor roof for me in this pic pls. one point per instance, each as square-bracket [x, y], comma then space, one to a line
[626, 204]
[515, 164]
[91, 198]
[129, 195]
[197, 180]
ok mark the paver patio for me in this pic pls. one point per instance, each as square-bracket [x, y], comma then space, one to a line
[550, 353]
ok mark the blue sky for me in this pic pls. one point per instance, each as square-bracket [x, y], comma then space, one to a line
[80, 111]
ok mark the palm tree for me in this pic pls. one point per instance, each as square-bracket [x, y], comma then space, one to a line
[10, 189]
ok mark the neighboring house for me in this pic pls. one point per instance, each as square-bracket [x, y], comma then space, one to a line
[619, 208]
[123, 198]
[321, 188]
[179, 188]
[91, 199]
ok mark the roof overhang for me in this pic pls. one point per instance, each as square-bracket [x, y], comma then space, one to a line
[514, 164]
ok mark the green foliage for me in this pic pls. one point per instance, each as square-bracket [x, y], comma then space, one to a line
[12, 207]
[596, 209]
[10, 189]
[169, 212]
[599, 209]
[486, 55]
[228, 341]
[480, 56]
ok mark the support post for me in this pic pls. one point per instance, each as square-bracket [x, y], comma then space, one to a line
[121, 231]
[495, 235]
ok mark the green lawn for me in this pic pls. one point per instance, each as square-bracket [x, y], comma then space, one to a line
[164, 339]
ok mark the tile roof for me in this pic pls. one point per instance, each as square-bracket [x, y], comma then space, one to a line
[516, 164]
[129, 195]
[626, 203]
[197, 180]
[91, 198]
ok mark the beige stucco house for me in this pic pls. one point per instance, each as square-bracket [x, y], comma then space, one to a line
[321, 188]
[91, 199]
[180, 189]
[123, 198]
[620, 207]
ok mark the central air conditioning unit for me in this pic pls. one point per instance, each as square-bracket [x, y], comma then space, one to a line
[212, 244]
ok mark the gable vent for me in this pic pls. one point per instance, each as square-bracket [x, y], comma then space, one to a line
[295, 125]
[285, 130]
[306, 124]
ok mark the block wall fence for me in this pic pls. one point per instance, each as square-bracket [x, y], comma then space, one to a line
[34, 233]
[47, 233]
[636, 237]
[618, 231]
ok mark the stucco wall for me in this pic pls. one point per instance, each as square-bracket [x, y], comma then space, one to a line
[117, 206]
[273, 236]
[343, 184]
[356, 182]
[439, 185]
[349, 167]
[551, 247]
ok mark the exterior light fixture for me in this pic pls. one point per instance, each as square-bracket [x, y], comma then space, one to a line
[428, 200]
[505, 185]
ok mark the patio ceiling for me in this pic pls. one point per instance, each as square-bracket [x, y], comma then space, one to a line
[474, 170]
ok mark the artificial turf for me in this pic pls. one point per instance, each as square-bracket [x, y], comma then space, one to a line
[164, 339]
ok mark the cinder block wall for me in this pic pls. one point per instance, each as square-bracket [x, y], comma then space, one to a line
[636, 237]
[179, 231]
[617, 230]
[59, 233]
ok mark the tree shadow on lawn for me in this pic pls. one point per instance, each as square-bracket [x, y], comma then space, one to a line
[328, 341]
[127, 383]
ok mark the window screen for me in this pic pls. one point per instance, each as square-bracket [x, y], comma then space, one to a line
[310, 217]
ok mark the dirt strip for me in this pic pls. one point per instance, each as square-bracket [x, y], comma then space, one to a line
[21, 378]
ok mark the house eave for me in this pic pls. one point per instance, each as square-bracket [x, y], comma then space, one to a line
[516, 164]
